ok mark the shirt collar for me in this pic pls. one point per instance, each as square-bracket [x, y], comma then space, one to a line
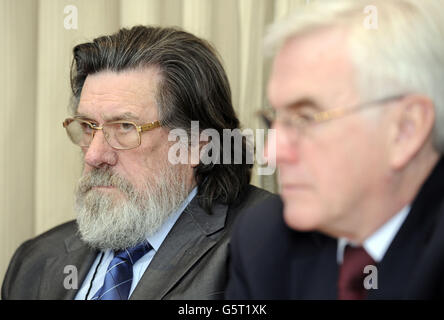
[159, 236]
[377, 244]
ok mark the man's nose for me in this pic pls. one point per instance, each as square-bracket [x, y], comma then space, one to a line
[284, 146]
[99, 152]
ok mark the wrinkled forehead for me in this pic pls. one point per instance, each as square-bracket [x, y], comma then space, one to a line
[129, 92]
[315, 65]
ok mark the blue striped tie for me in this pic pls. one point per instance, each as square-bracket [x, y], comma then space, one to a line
[119, 275]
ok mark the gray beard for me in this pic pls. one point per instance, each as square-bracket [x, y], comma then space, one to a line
[108, 223]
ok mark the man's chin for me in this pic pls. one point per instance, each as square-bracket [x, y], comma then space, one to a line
[301, 218]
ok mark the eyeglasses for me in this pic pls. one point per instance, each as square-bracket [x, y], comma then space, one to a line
[300, 120]
[121, 135]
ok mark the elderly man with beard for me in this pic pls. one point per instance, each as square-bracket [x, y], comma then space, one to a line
[146, 229]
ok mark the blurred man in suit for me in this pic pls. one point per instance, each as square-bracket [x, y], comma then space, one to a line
[148, 227]
[358, 109]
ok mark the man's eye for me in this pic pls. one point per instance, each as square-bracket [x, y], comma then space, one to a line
[308, 117]
[305, 116]
[86, 127]
[126, 126]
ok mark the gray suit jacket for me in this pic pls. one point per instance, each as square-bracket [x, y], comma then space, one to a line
[192, 262]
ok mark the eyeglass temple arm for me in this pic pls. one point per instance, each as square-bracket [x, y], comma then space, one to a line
[149, 126]
[67, 122]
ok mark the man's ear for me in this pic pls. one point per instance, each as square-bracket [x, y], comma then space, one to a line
[413, 124]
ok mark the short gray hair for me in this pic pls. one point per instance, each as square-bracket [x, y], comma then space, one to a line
[405, 53]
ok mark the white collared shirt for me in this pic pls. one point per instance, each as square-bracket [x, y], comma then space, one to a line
[377, 244]
[140, 266]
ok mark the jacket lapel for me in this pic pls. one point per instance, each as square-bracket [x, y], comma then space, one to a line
[400, 264]
[77, 258]
[186, 243]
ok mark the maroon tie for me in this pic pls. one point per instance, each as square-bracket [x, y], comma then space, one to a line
[351, 274]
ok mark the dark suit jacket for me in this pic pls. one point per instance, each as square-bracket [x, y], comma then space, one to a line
[272, 261]
[192, 262]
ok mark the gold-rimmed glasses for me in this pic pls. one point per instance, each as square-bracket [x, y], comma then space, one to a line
[121, 134]
[301, 119]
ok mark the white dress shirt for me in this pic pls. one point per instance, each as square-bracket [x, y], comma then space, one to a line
[377, 244]
[140, 266]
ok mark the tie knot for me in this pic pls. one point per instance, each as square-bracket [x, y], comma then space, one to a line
[133, 254]
[356, 256]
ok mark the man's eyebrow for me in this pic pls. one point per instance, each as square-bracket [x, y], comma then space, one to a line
[303, 102]
[83, 116]
[123, 116]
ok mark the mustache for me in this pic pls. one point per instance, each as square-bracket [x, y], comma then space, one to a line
[103, 177]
